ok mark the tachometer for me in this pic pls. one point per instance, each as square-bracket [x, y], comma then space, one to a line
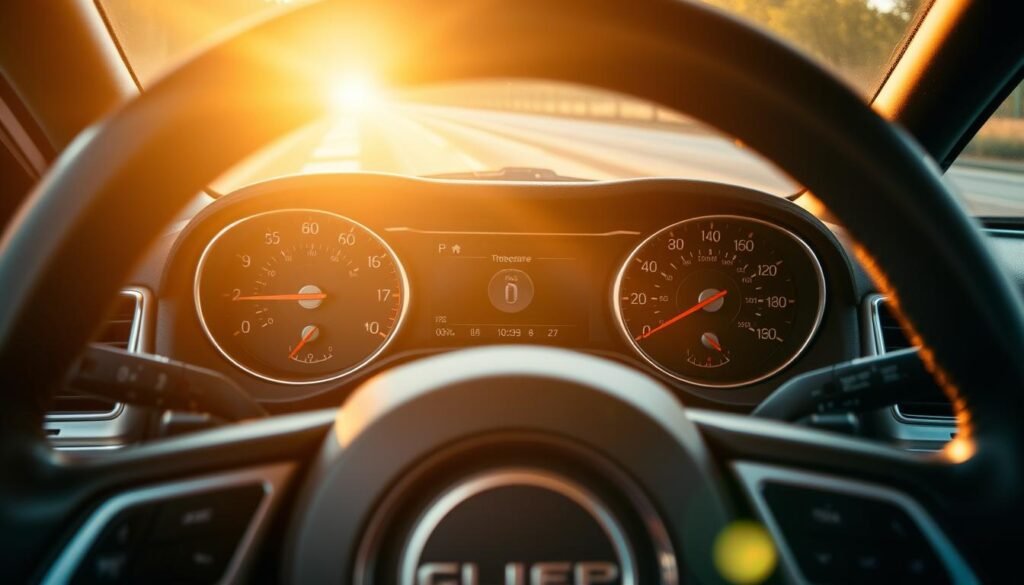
[299, 296]
[720, 301]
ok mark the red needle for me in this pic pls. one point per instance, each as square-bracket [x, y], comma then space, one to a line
[711, 341]
[291, 297]
[309, 335]
[684, 314]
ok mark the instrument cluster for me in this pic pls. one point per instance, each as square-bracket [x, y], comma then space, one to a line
[308, 293]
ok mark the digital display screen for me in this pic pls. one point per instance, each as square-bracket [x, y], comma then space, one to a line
[508, 289]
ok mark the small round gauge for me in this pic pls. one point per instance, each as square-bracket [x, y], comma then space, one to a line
[299, 296]
[720, 301]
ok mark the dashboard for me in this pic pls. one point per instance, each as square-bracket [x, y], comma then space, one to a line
[301, 287]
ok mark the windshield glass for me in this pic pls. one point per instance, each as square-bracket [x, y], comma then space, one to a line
[485, 126]
[990, 171]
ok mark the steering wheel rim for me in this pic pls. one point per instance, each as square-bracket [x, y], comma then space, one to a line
[688, 57]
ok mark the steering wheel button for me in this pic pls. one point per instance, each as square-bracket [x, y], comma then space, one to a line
[194, 562]
[808, 511]
[202, 561]
[921, 569]
[126, 531]
[111, 556]
[824, 562]
[110, 567]
[224, 513]
[869, 563]
[827, 515]
[841, 537]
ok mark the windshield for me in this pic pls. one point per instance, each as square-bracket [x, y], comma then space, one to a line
[485, 126]
[990, 171]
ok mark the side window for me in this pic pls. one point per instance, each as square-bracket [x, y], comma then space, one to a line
[990, 170]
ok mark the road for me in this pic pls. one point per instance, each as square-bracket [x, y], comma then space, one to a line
[426, 140]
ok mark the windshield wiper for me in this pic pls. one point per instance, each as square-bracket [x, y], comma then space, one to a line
[510, 174]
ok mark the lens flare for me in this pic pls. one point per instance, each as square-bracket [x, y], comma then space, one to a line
[959, 449]
[744, 553]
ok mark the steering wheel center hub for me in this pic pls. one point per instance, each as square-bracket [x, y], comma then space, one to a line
[514, 465]
[517, 526]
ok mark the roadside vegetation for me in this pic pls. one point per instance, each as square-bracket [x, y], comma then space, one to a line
[1002, 137]
[858, 39]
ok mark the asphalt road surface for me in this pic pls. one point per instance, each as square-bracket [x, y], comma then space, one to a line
[426, 140]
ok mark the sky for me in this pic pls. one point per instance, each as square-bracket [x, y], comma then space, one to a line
[884, 5]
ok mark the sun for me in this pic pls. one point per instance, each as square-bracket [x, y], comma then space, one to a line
[355, 92]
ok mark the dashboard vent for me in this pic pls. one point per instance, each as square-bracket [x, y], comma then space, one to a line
[889, 336]
[121, 330]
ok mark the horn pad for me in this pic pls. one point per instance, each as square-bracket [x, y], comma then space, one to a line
[509, 465]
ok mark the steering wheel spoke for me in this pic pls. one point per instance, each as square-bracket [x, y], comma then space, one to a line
[835, 503]
[194, 506]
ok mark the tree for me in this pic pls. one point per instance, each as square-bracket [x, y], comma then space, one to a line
[856, 38]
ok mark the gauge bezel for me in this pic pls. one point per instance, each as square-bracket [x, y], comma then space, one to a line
[624, 329]
[197, 302]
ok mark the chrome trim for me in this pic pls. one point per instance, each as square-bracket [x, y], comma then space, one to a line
[876, 346]
[815, 263]
[350, 370]
[112, 430]
[919, 419]
[114, 412]
[274, 478]
[1003, 233]
[90, 448]
[754, 475]
[456, 495]
[20, 143]
[135, 337]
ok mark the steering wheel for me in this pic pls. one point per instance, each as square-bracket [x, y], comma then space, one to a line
[550, 453]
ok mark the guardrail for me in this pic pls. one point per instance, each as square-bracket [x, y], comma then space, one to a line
[550, 99]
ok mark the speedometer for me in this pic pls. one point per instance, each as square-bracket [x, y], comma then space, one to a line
[299, 296]
[720, 301]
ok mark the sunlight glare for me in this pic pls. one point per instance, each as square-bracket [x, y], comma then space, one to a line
[355, 92]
